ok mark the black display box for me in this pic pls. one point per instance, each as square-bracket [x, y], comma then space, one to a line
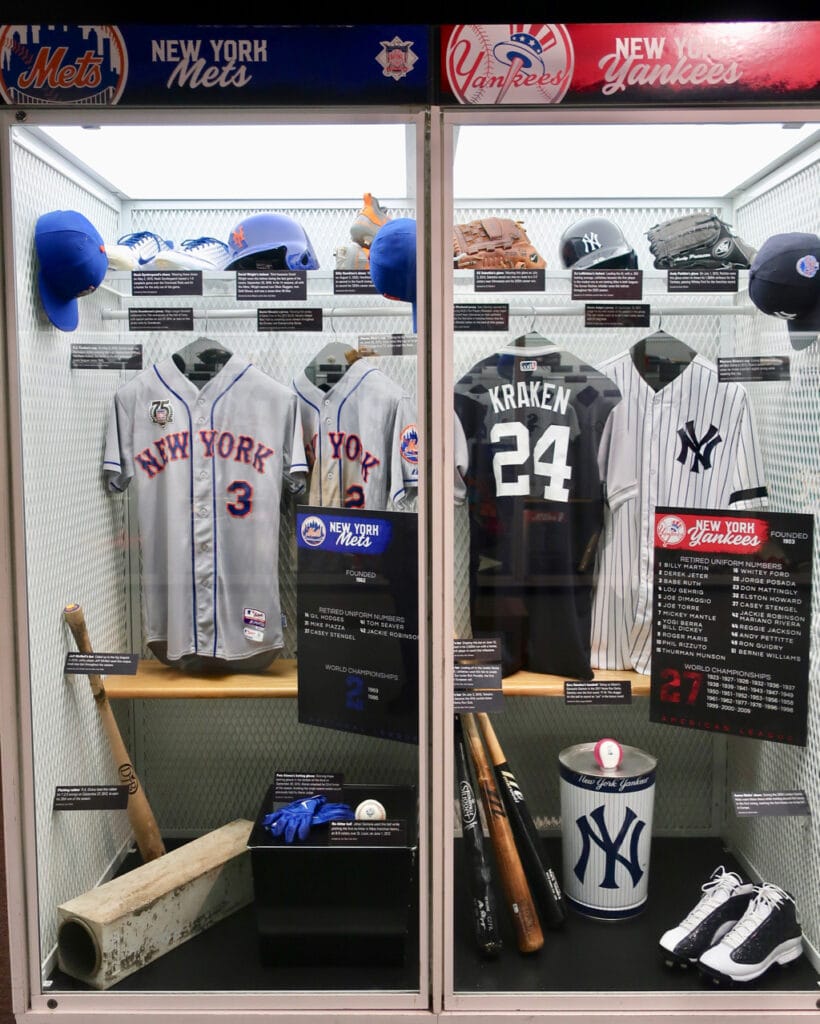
[332, 899]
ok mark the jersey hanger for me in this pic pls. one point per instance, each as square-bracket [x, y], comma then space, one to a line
[330, 364]
[202, 359]
[532, 339]
[661, 357]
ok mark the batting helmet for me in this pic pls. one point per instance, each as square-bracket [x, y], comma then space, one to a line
[270, 241]
[596, 242]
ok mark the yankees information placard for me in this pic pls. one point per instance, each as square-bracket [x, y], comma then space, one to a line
[732, 613]
[357, 607]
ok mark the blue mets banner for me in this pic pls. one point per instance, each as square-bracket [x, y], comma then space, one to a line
[214, 65]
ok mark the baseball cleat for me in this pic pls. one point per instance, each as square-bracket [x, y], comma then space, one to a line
[366, 226]
[768, 933]
[135, 251]
[194, 254]
[725, 899]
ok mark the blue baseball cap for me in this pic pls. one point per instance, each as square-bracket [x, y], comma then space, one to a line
[73, 261]
[393, 261]
[784, 281]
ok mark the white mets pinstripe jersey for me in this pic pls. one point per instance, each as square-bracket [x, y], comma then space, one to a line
[360, 439]
[696, 447]
[209, 467]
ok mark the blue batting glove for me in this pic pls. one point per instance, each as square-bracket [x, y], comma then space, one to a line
[294, 819]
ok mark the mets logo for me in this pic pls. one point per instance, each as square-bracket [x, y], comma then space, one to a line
[81, 64]
[509, 63]
[671, 531]
[396, 58]
[161, 412]
[313, 531]
[409, 444]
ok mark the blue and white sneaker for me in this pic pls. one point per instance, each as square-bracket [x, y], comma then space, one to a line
[724, 901]
[194, 254]
[768, 933]
[136, 251]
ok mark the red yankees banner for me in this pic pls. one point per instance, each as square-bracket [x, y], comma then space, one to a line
[620, 64]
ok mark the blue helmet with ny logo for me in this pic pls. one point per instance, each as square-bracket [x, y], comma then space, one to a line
[270, 241]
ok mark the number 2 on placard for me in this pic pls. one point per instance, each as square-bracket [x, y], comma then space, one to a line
[555, 439]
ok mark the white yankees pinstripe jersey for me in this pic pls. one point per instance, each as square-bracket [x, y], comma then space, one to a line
[360, 439]
[209, 466]
[696, 447]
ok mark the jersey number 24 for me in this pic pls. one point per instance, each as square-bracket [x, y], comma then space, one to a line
[548, 459]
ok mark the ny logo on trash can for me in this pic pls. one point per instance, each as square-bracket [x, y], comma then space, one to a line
[597, 832]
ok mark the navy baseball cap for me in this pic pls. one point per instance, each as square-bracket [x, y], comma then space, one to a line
[784, 281]
[393, 261]
[73, 261]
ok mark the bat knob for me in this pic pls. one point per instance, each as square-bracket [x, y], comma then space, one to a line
[608, 754]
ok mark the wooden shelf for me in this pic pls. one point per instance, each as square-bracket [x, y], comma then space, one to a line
[535, 684]
[155, 680]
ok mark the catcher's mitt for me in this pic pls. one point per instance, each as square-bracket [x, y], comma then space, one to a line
[697, 241]
[494, 243]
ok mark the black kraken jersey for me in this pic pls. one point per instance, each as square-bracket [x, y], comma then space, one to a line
[536, 459]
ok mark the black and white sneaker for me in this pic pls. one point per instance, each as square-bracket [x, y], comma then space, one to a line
[725, 898]
[767, 934]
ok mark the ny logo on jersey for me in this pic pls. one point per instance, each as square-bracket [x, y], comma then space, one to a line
[598, 833]
[591, 241]
[701, 449]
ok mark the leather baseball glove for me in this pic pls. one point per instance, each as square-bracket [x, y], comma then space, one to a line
[697, 241]
[496, 243]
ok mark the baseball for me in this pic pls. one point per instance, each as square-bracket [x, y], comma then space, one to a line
[370, 810]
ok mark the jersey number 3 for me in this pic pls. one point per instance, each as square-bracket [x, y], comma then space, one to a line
[548, 456]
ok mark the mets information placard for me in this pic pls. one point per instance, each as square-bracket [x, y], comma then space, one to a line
[357, 608]
[731, 622]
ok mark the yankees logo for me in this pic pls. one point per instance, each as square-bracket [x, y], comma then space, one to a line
[701, 449]
[632, 827]
[591, 241]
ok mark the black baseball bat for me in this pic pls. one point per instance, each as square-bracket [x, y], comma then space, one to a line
[518, 896]
[544, 884]
[483, 899]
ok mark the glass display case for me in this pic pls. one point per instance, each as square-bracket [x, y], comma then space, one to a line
[219, 525]
[632, 684]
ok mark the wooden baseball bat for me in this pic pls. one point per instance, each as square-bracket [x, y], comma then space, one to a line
[140, 815]
[539, 871]
[517, 893]
[483, 899]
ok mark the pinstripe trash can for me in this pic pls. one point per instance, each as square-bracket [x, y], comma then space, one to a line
[607, 799]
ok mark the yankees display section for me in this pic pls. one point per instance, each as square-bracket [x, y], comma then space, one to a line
[632, 451]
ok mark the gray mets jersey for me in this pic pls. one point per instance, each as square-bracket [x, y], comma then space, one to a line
[360, 438]
[696, 448]
[209, 466]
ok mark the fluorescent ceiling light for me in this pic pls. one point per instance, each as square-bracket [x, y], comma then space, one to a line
[202, 162]
[180, 162]
[637, 161]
